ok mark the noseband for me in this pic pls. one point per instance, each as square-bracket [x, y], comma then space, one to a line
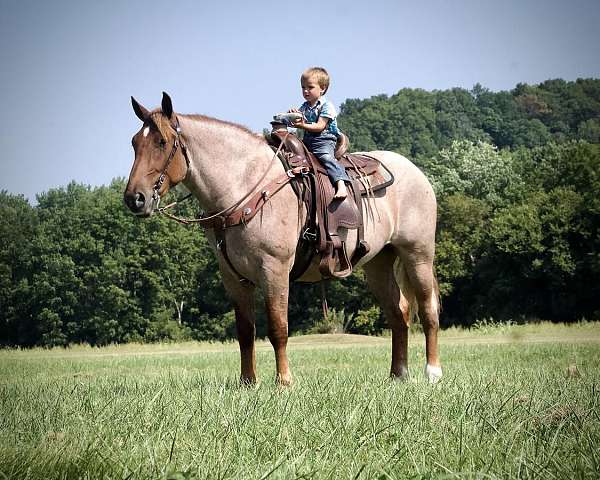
[161, 179]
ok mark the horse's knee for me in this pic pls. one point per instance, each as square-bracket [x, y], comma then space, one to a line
[278, 339]
[278, 334]
[277, 324]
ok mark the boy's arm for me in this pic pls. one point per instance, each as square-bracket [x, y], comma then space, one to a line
[326, 115]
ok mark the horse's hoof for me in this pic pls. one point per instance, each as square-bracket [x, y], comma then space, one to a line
[248, 381]
[433, 373]
[284, 380]
[400, 376]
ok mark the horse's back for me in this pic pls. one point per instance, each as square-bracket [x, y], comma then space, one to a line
[409, 178]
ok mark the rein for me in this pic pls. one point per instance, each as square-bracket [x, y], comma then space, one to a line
[229, 216]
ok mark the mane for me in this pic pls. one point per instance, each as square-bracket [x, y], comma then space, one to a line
[216, 121]
[164, 126]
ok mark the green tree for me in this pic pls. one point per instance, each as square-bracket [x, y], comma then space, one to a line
[478, 170]
[17, 229]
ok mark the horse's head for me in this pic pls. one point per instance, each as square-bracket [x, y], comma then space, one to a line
[160, 161]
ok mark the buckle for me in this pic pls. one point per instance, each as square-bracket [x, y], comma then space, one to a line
[293, 172]
[308, 235]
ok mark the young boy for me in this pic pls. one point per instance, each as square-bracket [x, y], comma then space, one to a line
[320, 127]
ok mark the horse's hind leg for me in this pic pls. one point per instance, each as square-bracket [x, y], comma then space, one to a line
[382, 282]
[422, 280]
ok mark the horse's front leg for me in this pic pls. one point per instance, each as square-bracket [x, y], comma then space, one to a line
[276, 290]
[276, 306]
[242, 297]
[246, 331]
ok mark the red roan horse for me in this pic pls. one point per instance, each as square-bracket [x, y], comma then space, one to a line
[222, 164]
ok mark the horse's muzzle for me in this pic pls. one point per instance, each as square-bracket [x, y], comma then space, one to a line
[136, 202]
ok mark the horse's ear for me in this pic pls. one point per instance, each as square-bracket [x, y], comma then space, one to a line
[141, 112]
[167, 105]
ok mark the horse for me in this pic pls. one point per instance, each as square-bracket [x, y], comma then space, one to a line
[222, 164]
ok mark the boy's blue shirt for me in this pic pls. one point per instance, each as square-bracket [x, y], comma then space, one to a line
[323, 108]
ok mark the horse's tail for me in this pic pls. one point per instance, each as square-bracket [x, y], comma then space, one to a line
[408, 300]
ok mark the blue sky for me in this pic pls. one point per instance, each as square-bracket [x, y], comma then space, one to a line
[68, 68]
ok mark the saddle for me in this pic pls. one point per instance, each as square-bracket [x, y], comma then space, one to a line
[326, 215]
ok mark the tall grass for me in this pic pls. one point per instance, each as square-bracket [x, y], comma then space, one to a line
[509, 409]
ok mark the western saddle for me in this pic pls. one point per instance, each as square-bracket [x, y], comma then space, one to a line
[326, 215]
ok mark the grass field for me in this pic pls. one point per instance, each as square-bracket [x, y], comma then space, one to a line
[515, 402]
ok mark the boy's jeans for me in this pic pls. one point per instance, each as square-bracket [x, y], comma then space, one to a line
[323, 147]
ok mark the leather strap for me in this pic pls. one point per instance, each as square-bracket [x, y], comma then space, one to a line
[248, 210]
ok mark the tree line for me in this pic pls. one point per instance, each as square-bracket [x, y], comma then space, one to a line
[517, 176]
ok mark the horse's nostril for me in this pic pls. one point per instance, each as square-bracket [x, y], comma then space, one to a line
[140, 200]
[135, 201]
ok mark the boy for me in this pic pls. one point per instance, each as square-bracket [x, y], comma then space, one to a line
[320, 127]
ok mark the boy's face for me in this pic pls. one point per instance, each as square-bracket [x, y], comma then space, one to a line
[311, 90]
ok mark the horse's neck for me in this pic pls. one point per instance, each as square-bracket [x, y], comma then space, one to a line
[225, 161]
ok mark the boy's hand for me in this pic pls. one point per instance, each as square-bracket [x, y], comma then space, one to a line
[297, 123]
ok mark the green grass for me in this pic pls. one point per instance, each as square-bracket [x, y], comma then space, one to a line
[515, 402]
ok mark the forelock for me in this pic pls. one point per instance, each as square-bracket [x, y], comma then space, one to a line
[161, 123]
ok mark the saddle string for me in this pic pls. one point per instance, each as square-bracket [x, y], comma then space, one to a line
[372, 195]
[371, 198]
[364, 179]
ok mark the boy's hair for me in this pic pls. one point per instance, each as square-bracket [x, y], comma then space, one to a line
[320, 74]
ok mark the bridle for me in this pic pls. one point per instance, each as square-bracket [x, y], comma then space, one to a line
[163, 174]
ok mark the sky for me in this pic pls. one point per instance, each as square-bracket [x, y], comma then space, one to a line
[68, 68]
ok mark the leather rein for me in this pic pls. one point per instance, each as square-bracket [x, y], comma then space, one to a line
[234, 214]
